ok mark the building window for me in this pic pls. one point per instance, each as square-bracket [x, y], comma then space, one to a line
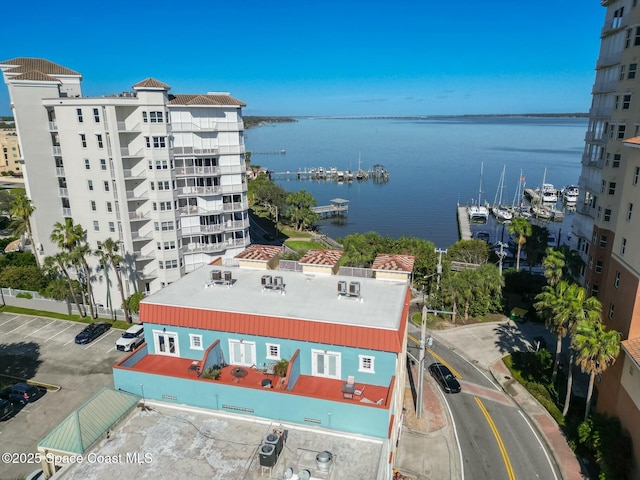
[96, 115]
[195, 341]
[79, 114]
[162, 165]
[147, 142]
[326, 364]
[164, 185]
[623, 246]
[607, 214]
[159, 142]
[599, 214]
[629, 211]
[106, 185]
[627, 40]
[636, 175]
[109, 207]
[603, 241]
[621, 72]
[166, 226]
[90, 185]
[171, 264]
[93, 206]
[616, 281]
[611, 309]
[598, 268]
[103, 164]
[603, 185]
[366, 363]
[170, 245]
[590, 263]
[273, 351]
[99, 140]
[155, 117]
[621, 130]
[612, 188]
[144, 117]
[87, 164]
[626, 102]
[112, 227]
[616, 160]
[96, 225]
[83, 140]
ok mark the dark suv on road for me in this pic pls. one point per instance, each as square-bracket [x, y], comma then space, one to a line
[21, 393]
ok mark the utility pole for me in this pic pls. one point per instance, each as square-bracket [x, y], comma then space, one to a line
[423, 334]
[501, 255]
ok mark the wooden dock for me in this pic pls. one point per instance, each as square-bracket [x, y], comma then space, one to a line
[378, 174]
[464, 226]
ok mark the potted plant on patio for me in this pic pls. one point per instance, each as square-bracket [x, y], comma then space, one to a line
[212, 373]
[281, 367]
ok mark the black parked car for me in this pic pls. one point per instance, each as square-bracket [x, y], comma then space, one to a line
[6, 409]
[444, 377]
[91, 332]
[21, 393]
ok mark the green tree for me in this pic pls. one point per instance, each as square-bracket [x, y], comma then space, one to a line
[58, 264]
[520, 228]
[56, 289]
[71, 238]
[549, 306]
[22, 209]
[473, 251]
[133, 302]
[596, 350]
[554, 264]
[23, 278]
[108, 254]
[263, 191]
[299, 211]
[536, 245]
[477, 291]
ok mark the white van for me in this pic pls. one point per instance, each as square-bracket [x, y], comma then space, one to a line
[131, 338]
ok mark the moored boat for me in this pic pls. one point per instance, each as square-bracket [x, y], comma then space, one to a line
[478, 212]
[549, 193]
[570, 194]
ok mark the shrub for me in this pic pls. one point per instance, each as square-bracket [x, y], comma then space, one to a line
[28, 296]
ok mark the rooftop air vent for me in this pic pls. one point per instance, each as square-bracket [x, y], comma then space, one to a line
[216, 275]
[221, 278]
[272, 283]
[323, 461]
[353, 290]
[266, 281]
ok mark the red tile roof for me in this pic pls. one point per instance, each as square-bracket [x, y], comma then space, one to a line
[635, 141]
[395, 263]
[26, 64]
[36, 76]
[209, 99]
[632, 347]
[151, 83]
[358, 336]
[321, 257]
[259, 252]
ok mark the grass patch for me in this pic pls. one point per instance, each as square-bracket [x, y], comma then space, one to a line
[301, 247]
[120, 324]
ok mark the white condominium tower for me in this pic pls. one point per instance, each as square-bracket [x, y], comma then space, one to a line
[162, 173]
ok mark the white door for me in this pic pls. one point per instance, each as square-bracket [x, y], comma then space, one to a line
[242, 353]
[166, 343]
[325, 364]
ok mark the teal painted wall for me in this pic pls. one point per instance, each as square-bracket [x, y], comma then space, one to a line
[384, 365]
[266, 403]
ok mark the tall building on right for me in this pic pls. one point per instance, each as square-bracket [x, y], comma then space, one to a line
[606, 227]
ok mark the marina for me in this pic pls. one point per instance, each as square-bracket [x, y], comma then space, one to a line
[378, 174]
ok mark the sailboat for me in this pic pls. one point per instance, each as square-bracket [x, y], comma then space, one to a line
[479, 212]
[540, 210]
[498, 210]
[517, 207]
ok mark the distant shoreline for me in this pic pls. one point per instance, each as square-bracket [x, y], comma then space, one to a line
[258, 121]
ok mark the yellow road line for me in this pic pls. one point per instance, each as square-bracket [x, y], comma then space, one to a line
[435, 355]
[503, 449]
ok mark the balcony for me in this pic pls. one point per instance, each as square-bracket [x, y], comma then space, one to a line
[122, 127]
[133, 195]
[192, 170]
[137, 237]
[149, 275]
[127, 152]
[198, 229]
[138, 216]
[212, 190]
[205, 247]
[235, 206]
[143, 257]
[129, 173]
[195, 151]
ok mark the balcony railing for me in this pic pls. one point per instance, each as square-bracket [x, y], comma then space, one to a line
[211, 170]
[138, 216]
[149, 275]
[198, 229]
[143, 257]
[132, 195]
[129, 173]
[137, 237]
[235, 206]
[66, 212]
[127, 152]
[194, 151]
[122, 127]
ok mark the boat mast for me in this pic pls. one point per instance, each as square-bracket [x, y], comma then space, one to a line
[480, 191]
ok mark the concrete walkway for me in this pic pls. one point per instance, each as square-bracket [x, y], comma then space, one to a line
[428, 448]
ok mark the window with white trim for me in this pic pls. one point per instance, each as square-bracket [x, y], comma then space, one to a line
[366, 363]
[273, 351]
[326, 364]
[96, 115]
[195, 341]
[79, 114]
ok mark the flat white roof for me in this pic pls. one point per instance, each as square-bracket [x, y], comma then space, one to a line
[307, 296]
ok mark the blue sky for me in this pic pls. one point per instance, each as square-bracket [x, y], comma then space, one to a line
[326, 57]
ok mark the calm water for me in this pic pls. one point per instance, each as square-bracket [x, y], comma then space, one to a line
[433, 165]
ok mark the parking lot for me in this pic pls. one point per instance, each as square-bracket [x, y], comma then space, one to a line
[43, 350]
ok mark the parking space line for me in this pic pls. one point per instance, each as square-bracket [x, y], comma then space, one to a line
[40, 328]
[102, 337]
[22, 325]
[13, 318]
[68, 326]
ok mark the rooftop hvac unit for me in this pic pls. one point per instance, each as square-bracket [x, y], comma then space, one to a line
[216, 275]
[275, 440]
[304, 475]
[277, 282]
[323, 461]
[342, 287]
[266, 280]
[227, 276]
[267, 455]
[354, 289]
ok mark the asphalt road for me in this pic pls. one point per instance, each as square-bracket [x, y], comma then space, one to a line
[496, 440]
[43, 350]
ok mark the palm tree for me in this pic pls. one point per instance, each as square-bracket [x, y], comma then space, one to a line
[578, 308]
[548, 306]
[521, 228]
[596, 350]
[554, 264]
[58, 263]
[71, 238]
[108, 254]
[22, 209]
